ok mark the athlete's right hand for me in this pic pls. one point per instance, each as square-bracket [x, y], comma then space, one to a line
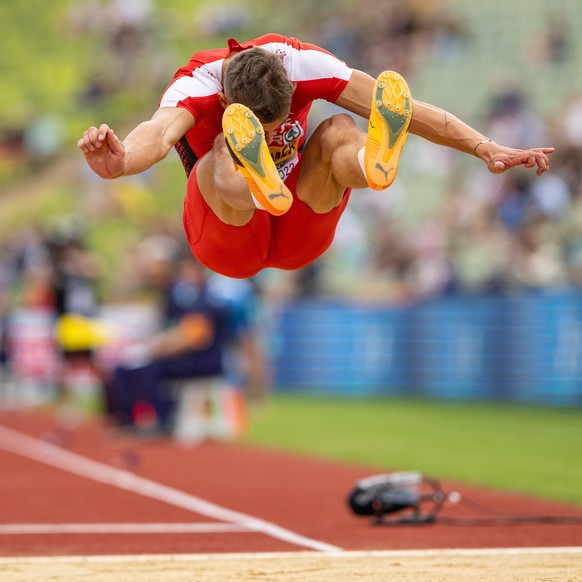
[104, 151]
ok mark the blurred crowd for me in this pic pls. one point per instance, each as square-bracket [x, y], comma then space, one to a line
[398, 35]
[178, 326]
[487, 233]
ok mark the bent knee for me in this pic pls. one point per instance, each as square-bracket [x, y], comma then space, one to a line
[340, 122]
[337, 131]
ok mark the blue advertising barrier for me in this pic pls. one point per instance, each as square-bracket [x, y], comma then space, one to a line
[526, 348]
[340, 348]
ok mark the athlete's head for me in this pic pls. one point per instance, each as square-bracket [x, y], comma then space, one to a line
[258, 79]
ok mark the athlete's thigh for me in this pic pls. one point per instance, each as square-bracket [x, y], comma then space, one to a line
[331, 163]
[316, 184]
[224, 189]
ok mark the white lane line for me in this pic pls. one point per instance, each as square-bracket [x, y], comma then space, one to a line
[117, 528]
[342, 555]
[26, 446]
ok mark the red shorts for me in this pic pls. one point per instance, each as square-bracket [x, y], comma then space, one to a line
[288, 242]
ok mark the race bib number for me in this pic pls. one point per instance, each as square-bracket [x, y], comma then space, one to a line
[285, 168]
[284, 146]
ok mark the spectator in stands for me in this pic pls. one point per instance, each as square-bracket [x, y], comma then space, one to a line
[537, 259]
[195, 328]
[76, 274]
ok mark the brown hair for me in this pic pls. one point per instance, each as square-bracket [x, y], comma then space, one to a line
[258, 79]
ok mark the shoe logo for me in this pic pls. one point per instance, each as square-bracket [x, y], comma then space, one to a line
[385, 172]
[280, 194]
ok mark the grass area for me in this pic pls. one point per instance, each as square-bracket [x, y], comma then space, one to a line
[40, 60]
[526, 449]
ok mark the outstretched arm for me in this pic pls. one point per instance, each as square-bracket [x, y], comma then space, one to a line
[146, 145]
[443, 128]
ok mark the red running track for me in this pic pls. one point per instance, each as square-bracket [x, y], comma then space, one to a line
[89, 492]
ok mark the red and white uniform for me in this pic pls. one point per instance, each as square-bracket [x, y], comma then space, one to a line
[316, 74]
[299, 236]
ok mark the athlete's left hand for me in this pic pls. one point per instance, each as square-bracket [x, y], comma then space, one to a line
[500, 158]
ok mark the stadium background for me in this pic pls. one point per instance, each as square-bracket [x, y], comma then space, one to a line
[456, 285]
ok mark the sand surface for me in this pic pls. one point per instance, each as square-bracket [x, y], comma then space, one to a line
[543, 564]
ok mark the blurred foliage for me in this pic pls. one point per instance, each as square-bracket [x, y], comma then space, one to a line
[46, 64]
[40, 63]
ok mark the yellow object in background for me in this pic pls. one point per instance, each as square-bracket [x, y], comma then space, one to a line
[77, 333]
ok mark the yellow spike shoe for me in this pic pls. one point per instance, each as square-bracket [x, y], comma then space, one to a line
[246, 143]
[387, 129]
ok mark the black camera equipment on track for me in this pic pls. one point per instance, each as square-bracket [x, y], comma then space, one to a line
[419, 498]
[411, 498]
